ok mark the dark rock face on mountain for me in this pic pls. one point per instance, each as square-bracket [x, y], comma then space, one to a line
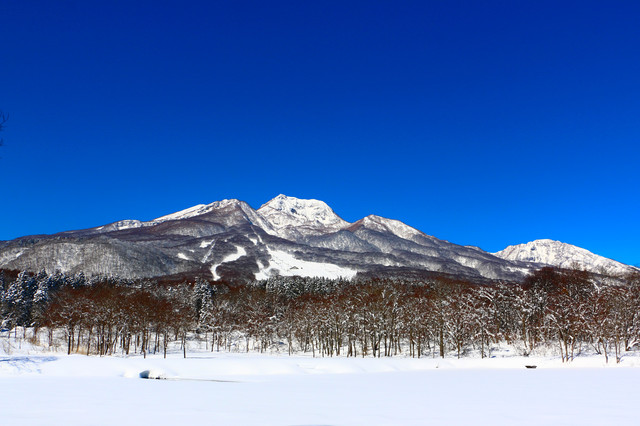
[230, 240]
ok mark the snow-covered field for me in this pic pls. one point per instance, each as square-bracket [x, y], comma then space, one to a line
[38, 388]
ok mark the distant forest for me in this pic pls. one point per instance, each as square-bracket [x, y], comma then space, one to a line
[567, 311]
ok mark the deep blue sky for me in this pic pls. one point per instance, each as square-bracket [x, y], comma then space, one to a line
[484, 123]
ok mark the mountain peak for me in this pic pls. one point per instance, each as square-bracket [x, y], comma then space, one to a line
[382, 224]
[199, 209]
[311, 239]
[285, 200]
[563, 255]
[301, 215]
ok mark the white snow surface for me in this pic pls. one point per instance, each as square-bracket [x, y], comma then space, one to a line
[563, 255]
[286, 264]
[48, 388]
[205, 244]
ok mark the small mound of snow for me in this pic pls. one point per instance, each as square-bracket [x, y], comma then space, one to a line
[152, 374]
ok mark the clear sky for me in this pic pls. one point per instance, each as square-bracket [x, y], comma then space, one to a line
[483, 123]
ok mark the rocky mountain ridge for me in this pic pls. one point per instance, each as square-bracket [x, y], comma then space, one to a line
[230, 240]
[562, 255]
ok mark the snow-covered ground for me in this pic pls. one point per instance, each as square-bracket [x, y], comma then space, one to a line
[39, 388]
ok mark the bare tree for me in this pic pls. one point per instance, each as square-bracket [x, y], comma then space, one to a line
[3, 119]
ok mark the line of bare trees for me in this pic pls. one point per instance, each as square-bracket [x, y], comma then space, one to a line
[564, 310]
[104, 319]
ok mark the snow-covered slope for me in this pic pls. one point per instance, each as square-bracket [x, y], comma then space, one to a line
[226, 207]
[121, 225]
[285, 264]
[196, 221]
[392, 226]
[562, 255]
[230, 240]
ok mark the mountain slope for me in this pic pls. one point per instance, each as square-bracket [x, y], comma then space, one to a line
[562, 255]
[294, 219]
[230, 240]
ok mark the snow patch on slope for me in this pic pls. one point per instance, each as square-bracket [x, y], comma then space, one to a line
[229, 258]
[121, 225]
[285, 264]
[205, 244]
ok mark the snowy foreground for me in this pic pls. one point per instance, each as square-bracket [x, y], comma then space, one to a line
[39, 388]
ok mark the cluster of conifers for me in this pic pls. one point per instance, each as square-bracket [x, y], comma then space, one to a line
[568, 311]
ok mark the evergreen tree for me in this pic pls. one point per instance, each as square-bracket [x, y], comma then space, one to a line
[42, 296]
[19, 299]
[203, 298]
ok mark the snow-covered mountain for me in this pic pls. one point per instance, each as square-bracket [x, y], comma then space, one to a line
[293, 218]
[562, 255]
[229, 239]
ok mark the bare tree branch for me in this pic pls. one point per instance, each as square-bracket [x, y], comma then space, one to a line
[3, 119]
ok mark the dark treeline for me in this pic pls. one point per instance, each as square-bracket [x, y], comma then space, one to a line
[566, 310]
